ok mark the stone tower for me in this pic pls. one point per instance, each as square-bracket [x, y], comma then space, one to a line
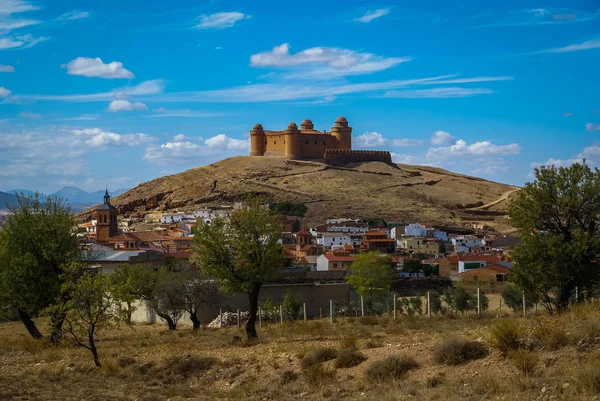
[292, 142]
[303, 237]
[343, 133]
[106, 220]
[258, 141]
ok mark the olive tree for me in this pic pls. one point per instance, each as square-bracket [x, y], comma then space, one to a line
[557, 219]
[371, 274]
[242, 252]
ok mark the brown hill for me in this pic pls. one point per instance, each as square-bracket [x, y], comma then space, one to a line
[366, 190]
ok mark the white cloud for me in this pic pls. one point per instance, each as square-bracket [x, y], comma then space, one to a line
[95, 67]
[22, 41]
[438, 93]
[592, 127]
[324, 61]
[4, 92]
[125, 105]
[469, 80]
[532, 16]
[6, 68]
[83, 117]
[73, 15]
[95, 137]
[591, 152]
[26, 114]
[484, 148]
[144, 88]
[587, 45]
[220, 20]
[16, 6]
[373, 14]
[442, 138]
[556, 163]
[182, 138]
[12, 24]
[163, 112]
[8, 22]
[182, 151]
[376, 140]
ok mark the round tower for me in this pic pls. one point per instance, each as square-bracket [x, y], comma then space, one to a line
[292, 142]
[343, 133]
[257, 141]
[307, 125]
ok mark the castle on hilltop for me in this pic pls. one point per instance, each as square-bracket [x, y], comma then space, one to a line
[306, 143]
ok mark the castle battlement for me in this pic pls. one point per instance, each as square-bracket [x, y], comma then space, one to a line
[306, 143]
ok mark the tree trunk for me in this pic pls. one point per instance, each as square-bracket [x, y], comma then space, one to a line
[56, 323]
[251, 323]
[93, 348]
[170, 322]
[29, 324]
[195, 321]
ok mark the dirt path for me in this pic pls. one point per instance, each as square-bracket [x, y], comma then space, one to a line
[503, 197]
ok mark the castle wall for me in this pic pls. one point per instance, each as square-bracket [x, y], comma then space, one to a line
[275, 145]
[338, 157]
[313, 146]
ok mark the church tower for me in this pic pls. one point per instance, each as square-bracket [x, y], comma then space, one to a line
[106, 220]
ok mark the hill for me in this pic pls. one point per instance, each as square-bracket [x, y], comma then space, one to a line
[7, 199]
[77, 198]
[367, 190]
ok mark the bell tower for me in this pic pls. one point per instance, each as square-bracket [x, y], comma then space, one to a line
[106, 220]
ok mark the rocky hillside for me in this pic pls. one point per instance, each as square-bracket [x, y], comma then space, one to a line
[367, 190]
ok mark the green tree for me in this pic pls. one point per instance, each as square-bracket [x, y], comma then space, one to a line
[557, 219]
[242, 252]
[89, 308]
[37, 241]
[371, 274]
[123, 290]
[512, 296]
[435, 301]
[412, 266]
[292, 306]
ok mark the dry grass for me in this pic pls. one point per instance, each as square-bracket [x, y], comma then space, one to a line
[147, 362]
[506, 335]
[456, 351]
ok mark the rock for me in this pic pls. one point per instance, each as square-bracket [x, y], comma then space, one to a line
[565, 385]
[543, 390]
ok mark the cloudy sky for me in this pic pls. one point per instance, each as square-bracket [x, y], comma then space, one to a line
[119, 92]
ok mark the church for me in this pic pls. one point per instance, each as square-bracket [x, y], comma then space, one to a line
[306, 143]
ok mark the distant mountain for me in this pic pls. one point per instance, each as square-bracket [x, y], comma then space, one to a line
[77, 198]
[7, 199]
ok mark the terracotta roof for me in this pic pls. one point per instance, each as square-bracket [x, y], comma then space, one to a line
[306, 248]
[380, 240]
[122, 237]
[149, 236]
[492, 267]
[303, 233]
[473, 258]
[334, 258]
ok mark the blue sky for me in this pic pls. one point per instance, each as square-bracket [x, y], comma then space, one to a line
[119, 92]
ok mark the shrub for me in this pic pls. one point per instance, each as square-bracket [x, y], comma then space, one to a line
[392, 367]
[513, 298]
[317, 356]
[374, 342]
[435, 381]
[292, 307]
[347, 358]
[368, 320]
[589, 376]
[506, 335]
[524, 360]
[288, 376]
[416, 304]
[316, 375]
[188, 365]
[435, 301]
[456, 351]
[348, 341]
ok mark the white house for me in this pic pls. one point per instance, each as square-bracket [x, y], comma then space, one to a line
[466, 241]
[397, 231]
[327, 262]
[415, 230]
[464, 265]
[175, 218]
[341, 220]
[441, 235]
[354, 228]
[328, 239]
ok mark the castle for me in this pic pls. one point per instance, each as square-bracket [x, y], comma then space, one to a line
[306, 143]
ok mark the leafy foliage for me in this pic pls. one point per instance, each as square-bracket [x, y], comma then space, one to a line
[557, 219]
[370, 275]
[292, 307]
[461, 300]
[290, 209]
[435, 301]
[513, 298]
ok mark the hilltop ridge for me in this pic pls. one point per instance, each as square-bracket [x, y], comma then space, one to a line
[362, 190]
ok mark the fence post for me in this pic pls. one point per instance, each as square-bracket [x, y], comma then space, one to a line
[321, 313]
[524, 305]
[479, 301]
[304, 308]
[220, 317]
[500, 306]
[428, 304]
[259, 317]
[394, 306]
[239, 318]
[281, 314]
[576, 294]
[362, 306]
[331, 311]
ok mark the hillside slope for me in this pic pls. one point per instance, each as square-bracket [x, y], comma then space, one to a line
[368, 190]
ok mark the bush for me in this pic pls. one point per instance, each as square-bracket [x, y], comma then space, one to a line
[589, 376]
[435, 301]
[348, 341]
[316, 375]
[525, 361]
[513, 298]
[456, 351]
[392, 367]
[288, 376]
[374, 342]
[347, 358]
[188, 365]
[292, 307]
[289, 208]
[317, 356]
[416, 304]
[506, 335]
[435, 381]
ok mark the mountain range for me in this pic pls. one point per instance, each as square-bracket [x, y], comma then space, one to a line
[77, 198]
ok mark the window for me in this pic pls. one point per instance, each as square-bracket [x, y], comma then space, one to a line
[274, 142]
[335, 265]
[307, 142]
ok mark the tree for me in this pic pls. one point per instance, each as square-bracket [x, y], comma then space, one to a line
[292, 306]
[513, 298]
[371, 273]
[242, 253]
[37, 241]
[123, 290]
[89, 306]
[412, 266]
[435, 302]
[557, 219]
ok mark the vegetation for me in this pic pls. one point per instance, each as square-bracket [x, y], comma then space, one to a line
[370, 275]
[292, 307]
[317, 356]
[37, 242]
[289, 209]
[456, 351]
[557, 219]
[506, 335]
[392, 367]
[461, 300]
[347, 358]
[242, 253]
[513, 298]
[525, 360]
